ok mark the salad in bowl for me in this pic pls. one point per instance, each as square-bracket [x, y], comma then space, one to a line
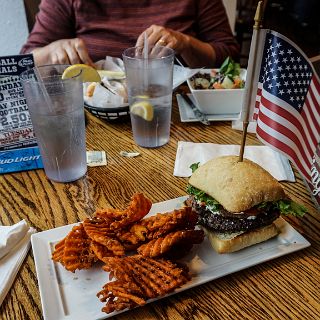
[219, 91]
[228, 76]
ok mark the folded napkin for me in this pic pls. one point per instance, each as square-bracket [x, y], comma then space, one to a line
[113, 97]
[189, 153]
[111, 64]
[14, 245]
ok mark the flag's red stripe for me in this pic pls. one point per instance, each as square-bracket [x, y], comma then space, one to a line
[257, 105]
[315, 118]
[284, 148]
[314, 79]
[271, 123]
[295, 121]
[315, 99]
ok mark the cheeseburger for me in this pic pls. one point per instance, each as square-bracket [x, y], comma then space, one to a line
[237, 202]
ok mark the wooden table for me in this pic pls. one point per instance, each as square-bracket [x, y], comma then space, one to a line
[284, 288]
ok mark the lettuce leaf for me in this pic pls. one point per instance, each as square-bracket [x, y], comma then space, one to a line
[203, 197]
[286, 207]
[230, 68]
[200, 195]
[194, 166]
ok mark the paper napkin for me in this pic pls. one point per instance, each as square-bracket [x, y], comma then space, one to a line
[14, 245]
[182, 74]
[238, 125]
[189, 153]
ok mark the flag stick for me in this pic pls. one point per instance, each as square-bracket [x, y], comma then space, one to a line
[249, 79]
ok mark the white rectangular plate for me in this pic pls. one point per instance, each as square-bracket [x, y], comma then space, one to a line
[67, 295]
[187, 115]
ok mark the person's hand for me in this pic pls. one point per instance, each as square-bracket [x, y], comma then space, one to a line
[194, 52]
[158, 35]
[65, 51]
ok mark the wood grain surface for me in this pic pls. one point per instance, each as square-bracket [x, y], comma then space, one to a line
[284, 288]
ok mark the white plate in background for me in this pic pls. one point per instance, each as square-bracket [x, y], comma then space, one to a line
[72, 296]
[187, 115]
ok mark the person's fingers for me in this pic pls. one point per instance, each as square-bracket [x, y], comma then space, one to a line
[73, 55]
[156, 35]
[159, 37]
[140, 40]
[140, 44]
[60, 57]
[82, 52]
[153, 39]
[172, 43]
[173, 40]
[162, 42]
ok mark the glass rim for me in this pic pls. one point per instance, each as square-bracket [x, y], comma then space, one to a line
[170, 54]
[48, 78]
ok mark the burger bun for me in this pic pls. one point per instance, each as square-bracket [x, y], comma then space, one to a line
[227, 243]
[237, 186]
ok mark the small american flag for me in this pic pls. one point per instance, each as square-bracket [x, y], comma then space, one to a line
[287, 106]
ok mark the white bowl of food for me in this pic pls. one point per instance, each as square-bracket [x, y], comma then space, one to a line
[219, 91]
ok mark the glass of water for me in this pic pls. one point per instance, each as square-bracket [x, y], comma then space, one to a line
[149, 83]
[57, 114]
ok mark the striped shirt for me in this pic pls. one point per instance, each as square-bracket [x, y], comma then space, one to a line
[109, 26]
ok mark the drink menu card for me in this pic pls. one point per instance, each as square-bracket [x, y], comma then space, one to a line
[18, 145]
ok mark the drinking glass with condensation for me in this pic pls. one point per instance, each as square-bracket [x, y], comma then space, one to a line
[57, 114]
[149, 83]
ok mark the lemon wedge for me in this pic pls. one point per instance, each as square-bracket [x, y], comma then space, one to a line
[142, 109]
[88, 73]
[112, 74]
[142, 97]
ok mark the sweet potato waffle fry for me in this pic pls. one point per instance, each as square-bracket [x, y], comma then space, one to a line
[156, 226]
[57, 254]
[119, 296]
[98, 230]
[159, 247]
[100, 251]
[138, 208]
[96, 227]
[163, 223]
[132, 237]
[74, 251]
[138, 279]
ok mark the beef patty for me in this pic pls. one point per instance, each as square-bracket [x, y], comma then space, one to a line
[226, 221]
